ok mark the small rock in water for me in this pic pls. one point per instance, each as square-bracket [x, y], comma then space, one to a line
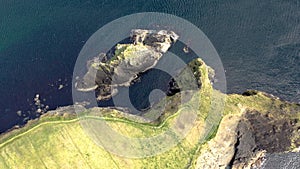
[40, 108]
[25, 119]
[37, 102]
[60, 87]
[19, 113]
[186, 49]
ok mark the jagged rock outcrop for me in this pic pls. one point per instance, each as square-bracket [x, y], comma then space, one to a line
[129, 60]
[159, 40]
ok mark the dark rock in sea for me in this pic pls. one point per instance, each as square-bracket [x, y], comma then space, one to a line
[250, 93]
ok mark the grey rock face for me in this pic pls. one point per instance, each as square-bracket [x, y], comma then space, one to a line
[284, 160]
[159, 40]
[127, 69]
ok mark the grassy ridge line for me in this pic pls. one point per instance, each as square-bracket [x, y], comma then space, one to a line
[91, 117]
[35, 127]
[136, 123]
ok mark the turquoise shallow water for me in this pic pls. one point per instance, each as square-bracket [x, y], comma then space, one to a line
[258, 42]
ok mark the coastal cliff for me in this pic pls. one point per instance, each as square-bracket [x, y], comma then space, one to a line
[248, 127]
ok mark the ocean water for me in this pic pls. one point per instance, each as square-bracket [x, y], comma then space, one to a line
[258, 42]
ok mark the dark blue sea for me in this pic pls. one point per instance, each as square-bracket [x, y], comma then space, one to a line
[258, 42]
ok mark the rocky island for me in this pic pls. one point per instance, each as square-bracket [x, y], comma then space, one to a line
[246, 129]
[129, 60]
